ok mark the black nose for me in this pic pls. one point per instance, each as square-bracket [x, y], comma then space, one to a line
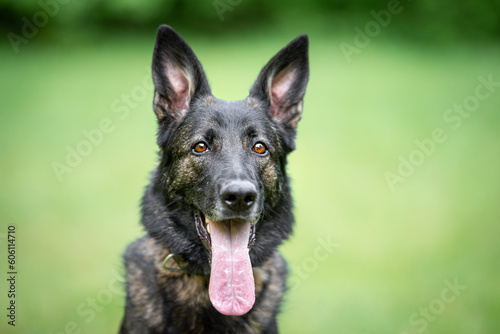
[238, 195]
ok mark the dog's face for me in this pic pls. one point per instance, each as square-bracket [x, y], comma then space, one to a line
[223, 162]
[226, 161]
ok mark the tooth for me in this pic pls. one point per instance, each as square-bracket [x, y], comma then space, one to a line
[208, 228]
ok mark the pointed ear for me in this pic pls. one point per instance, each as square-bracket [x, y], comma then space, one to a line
[282, 83]
[177, 75]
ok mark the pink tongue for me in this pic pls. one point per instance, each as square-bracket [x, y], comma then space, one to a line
[232, 288]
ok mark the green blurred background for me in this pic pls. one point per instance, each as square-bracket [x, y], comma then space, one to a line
[396, 177]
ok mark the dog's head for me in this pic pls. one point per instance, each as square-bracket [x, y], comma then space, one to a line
[222, 171]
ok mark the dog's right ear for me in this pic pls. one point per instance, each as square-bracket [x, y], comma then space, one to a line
[282, 83]
[177, 75]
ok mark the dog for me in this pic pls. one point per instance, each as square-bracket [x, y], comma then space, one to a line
[218, 204]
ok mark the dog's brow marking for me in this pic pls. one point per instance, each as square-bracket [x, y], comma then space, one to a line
[251, 131]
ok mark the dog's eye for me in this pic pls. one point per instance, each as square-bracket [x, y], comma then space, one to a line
[200, 147]
[260, 148]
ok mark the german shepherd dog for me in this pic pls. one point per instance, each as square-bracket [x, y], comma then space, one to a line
[219, 203]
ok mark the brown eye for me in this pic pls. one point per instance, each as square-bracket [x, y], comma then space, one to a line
[200, 147]
[260, 148]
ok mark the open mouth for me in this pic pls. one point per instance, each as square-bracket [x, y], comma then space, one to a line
[231, 288]
[203, 229]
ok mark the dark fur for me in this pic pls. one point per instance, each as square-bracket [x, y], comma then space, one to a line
[160, 301]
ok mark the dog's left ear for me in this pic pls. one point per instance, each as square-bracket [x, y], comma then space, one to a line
[282, 83]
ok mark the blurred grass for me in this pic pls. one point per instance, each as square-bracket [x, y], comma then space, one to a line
[395, 248]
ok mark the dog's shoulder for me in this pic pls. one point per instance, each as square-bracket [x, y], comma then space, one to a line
[270, 285]
[143, 308]
[144, 252]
